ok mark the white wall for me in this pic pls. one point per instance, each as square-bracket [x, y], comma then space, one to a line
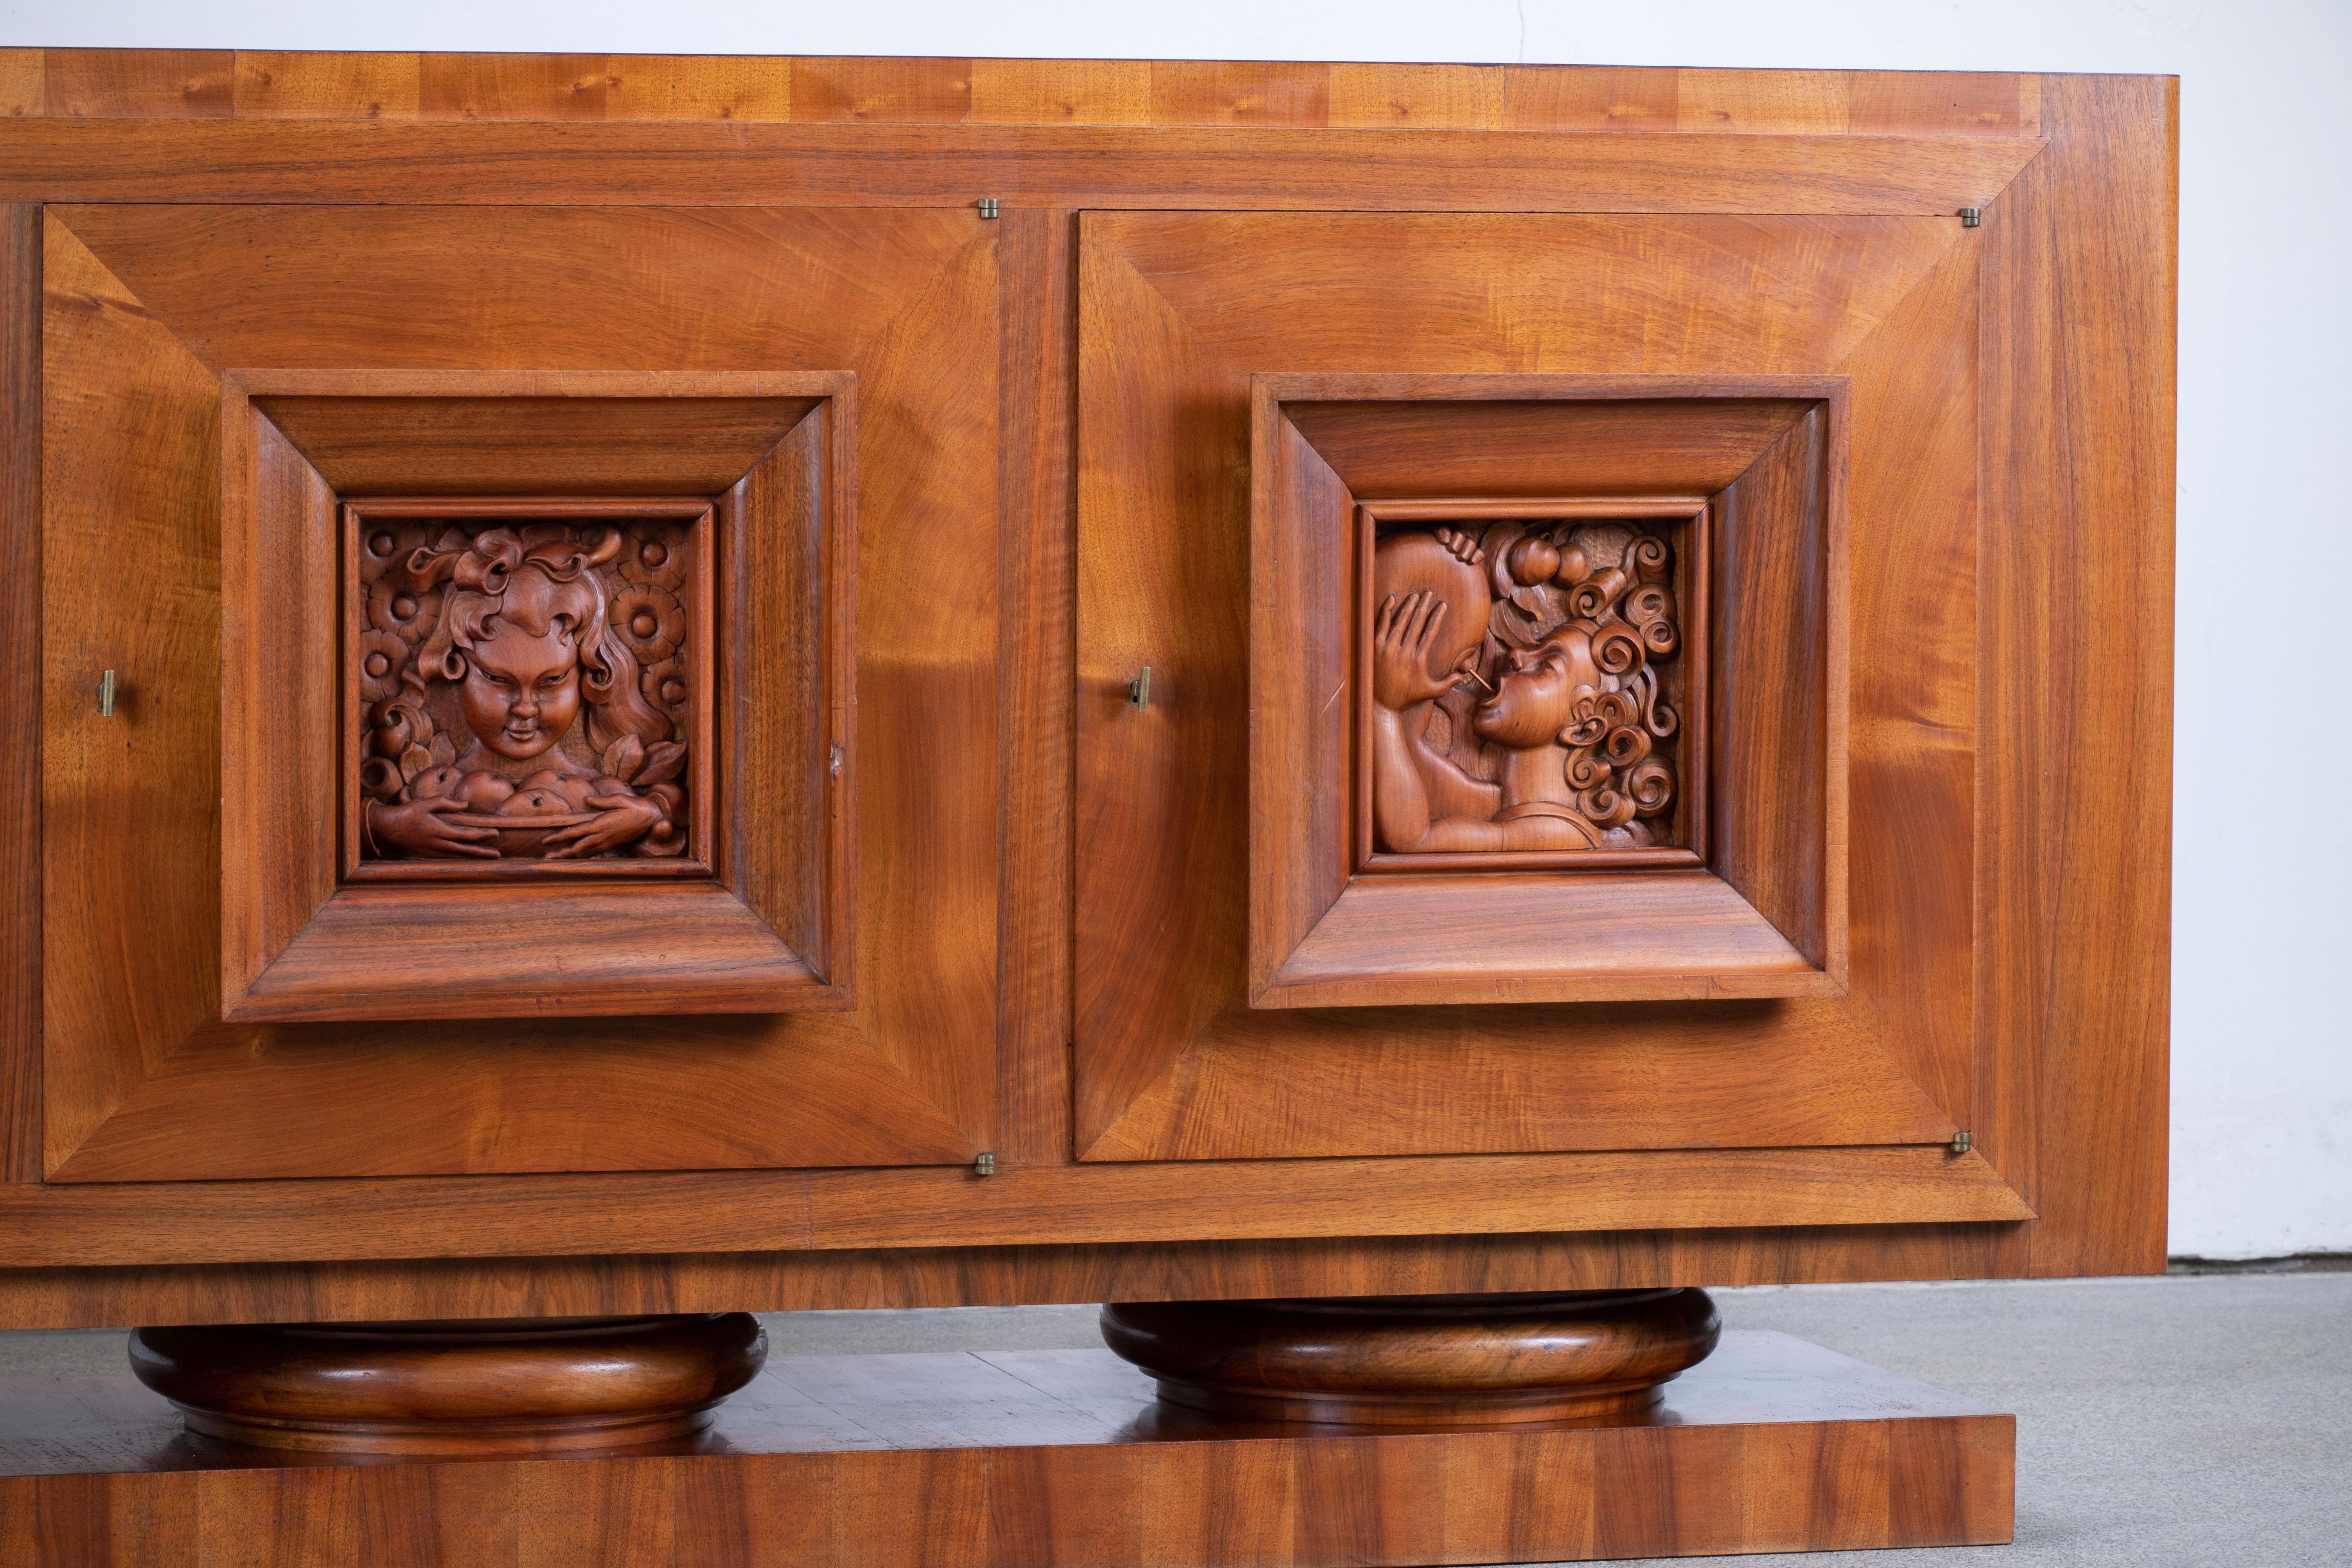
[2261, 1160]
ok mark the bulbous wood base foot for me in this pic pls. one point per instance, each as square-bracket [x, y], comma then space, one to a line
[1418, 1360]
[509, 1386]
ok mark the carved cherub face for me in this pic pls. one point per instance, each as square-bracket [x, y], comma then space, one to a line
[521, 692]
[1534, 699]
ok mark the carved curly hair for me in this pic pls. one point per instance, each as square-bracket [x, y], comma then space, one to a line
[537, 578]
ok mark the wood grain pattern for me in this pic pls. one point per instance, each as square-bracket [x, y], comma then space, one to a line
[299, 85]
[23, 90]
[322, 85]
[2077, 530]
[1172, 1062]
[20, 699]
[144, 84]
[1192, 167]
[784, 1210]
[2072, 525]
[491, 1386]
[509, 87]
[171, 1097]
[696, 86]
[1451, 1361]
[1024, 1458]
[1039, 394]
[77, 1296]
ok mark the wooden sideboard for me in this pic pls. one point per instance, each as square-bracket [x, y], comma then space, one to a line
[1049, 601]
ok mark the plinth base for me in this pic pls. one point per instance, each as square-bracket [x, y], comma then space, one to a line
[1419, 1360]
[1014, 1459]
[519, 1385]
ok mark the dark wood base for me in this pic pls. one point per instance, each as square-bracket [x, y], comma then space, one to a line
[515, 1385]
[1014, 1461]
[1419, 1360]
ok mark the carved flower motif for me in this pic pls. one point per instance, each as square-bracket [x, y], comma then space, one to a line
[648, 558]
[650, 619]
[382, 657]
[391, 607]
[664, 681]
[380, 548]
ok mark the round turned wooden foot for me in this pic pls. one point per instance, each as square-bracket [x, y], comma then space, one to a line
[1418, 1360]
[506, 1385]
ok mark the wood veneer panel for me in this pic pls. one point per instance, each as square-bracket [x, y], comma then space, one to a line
[1451, 98]
[578, 444]
[509, 87]
[1038, 388]
[897, 91]
[1024, 1458]
[1594, 98]
[1240, 92]
[697, 87]
[946, 165]
[1760, 102]
[20, 698]
[1174, 310]
[526, 1286]
[22, 89]
[68, 1223]
[1059, 93]
[909, 1076]
[137, 83]
[2078, 531]
[312, 85]
[1942, 103]
[130, 454]
[364, 85]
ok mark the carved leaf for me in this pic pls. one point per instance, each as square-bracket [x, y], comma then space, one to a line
[445, 750]
[415, 761]
[663, 762]
[623, 758]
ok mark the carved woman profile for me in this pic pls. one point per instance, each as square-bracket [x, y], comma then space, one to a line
[1558, 626]
[556, 731]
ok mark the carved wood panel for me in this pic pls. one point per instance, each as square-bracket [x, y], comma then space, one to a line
[1536, 686]
[526, 684]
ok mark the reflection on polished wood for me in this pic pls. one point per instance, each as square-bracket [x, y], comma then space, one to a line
[1013, 1459]
[1419, 1360]
[509, 1386]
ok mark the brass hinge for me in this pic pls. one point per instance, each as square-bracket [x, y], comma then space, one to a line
[106, 695]
[987, 205]
[984, 1165]
[1959, 1142]
[1138, 690]
[1971, 218]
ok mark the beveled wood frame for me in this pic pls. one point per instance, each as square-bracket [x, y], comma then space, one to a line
[308, 934]
[2075, 177]
[702, 768]
[1331, 921]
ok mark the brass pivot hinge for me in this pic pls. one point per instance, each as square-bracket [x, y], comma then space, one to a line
[987, 205]
[1971, 218]
[1138, 690]
[984, 1165]
[106, 695]
[1959, 1142]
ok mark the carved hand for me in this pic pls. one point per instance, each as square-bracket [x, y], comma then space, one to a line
[621, 819]
[418, 826]
[1402, 634]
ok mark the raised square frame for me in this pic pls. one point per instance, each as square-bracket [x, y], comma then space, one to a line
[758, 921]
[1754, 904]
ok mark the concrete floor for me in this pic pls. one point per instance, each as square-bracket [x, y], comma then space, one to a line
[2200, 1420]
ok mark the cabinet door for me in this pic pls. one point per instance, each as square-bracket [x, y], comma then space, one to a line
[531, 686]
[1780, 952]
